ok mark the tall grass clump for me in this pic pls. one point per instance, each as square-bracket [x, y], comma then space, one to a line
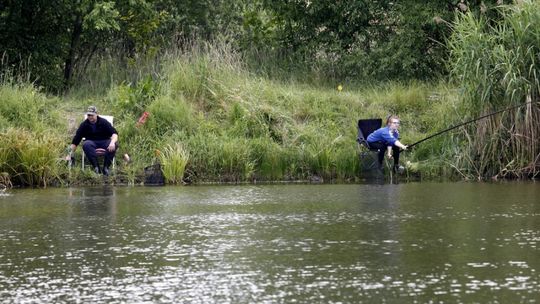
[206, 73]
[174, 159]
[496, 66]
[29, 158]
[30, 144]
[220, 158]
[170, 115]
[106, 71]
[270, 159]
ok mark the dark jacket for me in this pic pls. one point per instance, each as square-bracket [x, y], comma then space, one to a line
[103, 130]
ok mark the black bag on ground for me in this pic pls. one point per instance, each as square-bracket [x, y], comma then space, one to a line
[153, 175]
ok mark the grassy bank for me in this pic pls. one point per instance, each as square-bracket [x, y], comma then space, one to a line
[212, 120]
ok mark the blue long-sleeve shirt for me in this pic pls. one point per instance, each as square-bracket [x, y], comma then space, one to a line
[384, 135]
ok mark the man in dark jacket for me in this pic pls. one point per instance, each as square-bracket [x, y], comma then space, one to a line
[101, 138]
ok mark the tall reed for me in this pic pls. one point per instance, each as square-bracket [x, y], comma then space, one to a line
[496, 66]
[25, 106]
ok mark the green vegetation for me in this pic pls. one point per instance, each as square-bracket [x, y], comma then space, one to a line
[497, 66]
[174, 160]
[57, 42]
[29, 158]
[212, 117]
[222, 113]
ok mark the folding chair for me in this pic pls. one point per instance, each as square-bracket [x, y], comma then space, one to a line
[366, 127]
[100, 152]
[369, 162]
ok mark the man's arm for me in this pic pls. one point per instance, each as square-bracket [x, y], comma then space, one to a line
[112, 145]
[77, 138]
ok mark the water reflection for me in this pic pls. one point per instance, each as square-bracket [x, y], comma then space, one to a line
[268, 244]
[96, 201]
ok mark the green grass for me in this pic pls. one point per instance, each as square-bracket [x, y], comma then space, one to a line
[30, 158]
[211, 119]
[173, 159]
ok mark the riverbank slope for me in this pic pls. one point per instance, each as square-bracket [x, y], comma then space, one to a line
[210, 119]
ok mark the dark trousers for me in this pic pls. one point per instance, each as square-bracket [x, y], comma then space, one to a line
[89, 148]
[381, 146]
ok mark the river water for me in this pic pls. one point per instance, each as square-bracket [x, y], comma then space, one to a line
[404, 243]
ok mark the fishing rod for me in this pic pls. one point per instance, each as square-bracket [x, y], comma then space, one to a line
[470, 121]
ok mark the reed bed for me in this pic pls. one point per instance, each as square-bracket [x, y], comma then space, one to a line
[496, 66]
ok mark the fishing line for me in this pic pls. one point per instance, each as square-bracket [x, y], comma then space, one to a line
[468, 122]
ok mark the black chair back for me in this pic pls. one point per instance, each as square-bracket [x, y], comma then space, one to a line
[366, 127]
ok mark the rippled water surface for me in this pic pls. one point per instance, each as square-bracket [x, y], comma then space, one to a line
[419, 242]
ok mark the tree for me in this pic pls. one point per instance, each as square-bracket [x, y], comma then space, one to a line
[355, 39]
[91, 22]
[343, 39]
[30, 40]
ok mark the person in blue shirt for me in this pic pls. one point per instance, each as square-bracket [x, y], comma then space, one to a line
[386, 139]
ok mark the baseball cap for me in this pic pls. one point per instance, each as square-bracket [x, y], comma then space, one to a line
[92, 110]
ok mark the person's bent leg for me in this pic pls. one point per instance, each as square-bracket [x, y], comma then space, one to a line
[395, 153]
[380, 154]
[109, 156]
[103, 145]
[89, 148]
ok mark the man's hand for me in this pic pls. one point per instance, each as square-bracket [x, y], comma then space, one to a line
[389, 154]
[111, 147]
[112, 144]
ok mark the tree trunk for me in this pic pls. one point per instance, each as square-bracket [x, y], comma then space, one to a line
[70, 60]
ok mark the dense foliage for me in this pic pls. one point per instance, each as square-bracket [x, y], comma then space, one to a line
[55, 41]
[496, 64]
